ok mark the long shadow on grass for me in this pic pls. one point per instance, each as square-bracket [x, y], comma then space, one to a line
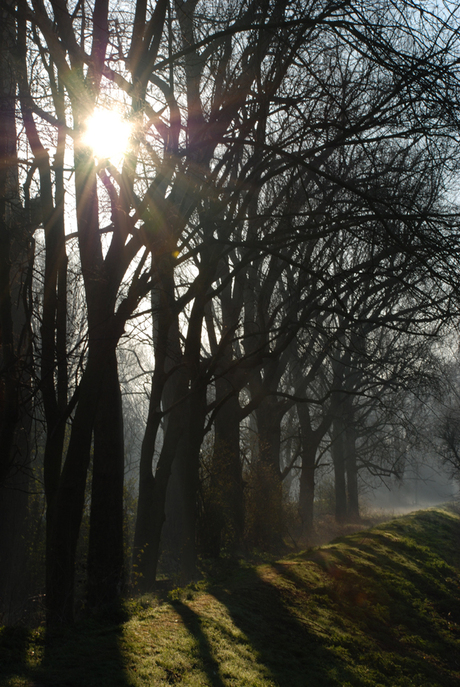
[403, 620]
[428, 582]
[293, 656]
[430, 576]
[192, 622]
[361, 578]
[355, 578]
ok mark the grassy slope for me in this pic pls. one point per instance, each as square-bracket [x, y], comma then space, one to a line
[380, 607]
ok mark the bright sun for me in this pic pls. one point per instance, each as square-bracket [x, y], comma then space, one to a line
[107, 133]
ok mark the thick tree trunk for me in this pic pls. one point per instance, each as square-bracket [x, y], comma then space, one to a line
[180, 531]
[15, 342]
[181, 507]
[224, 515]
[14, 554]
[310, 441]
[67, 509]
[169, 386]
[9, 411]
[151, 506]
[12, 230]
[144, 564]
[267, 517]
[105, 550]
[269, 431]
[15, 422]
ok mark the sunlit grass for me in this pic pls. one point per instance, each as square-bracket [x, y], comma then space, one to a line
[380, 607]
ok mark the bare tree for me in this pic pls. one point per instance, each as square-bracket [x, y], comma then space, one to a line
[238, 186]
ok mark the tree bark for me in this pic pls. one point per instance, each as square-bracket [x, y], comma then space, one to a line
[169, 387]
[310, 441]
[151, 510]
[268, 490]
[105, 548]
[224, 524]
[180, 531]
[67, 511]
[16, 266]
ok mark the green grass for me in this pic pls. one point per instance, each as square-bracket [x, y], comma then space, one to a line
[380, 607]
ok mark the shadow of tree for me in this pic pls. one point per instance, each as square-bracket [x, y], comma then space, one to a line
[413, 593]
[376, 585]
[285, 646]
[192, 622]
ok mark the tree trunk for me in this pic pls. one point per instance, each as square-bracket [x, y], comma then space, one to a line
[14, 555]
[224, 515]
[180, 531]
[105, 549]
[15, 342]
[307, 488]
[151, 506]
[310, 441]
[339, 462]
[268, 491]
[309, 446]
[68, 506]
[179, 535]
[14, 240]
[351, 469]
[144, 564]
[169, 386]
[181, 506]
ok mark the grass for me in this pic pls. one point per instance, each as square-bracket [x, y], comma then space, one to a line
[379, 607]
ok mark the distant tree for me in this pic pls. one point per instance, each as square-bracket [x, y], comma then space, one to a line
[445, 424]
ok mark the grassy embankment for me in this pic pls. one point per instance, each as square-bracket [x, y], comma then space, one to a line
[380, 607]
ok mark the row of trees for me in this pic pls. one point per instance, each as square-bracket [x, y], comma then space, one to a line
[281, 230]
